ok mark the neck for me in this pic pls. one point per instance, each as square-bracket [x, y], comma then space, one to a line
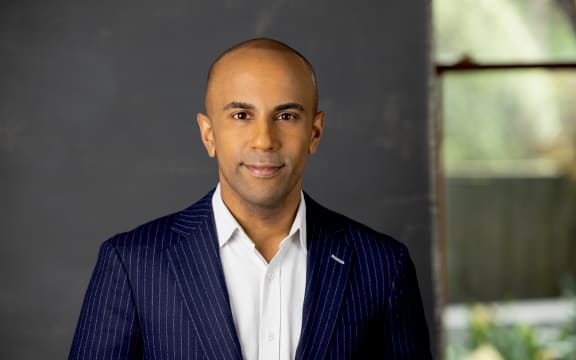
[266, 226]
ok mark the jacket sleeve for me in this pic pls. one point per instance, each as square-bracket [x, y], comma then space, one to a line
[406, 320]
[108, 326]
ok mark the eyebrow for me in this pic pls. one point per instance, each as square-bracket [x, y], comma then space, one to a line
[239, 105]
[247, 106]
[287, 106]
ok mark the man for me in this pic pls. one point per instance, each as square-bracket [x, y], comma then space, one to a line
[256, 269]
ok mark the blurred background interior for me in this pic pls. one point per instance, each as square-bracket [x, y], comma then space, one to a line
[507, 113]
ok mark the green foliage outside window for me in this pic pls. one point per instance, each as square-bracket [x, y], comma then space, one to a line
[489, 340]
[499, 117]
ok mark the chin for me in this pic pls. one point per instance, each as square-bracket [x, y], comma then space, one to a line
[266, 199]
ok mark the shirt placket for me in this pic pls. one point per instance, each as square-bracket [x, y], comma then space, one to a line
[269, 344]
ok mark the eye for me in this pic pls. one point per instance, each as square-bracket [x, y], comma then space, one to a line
[286, 116]
[242, 115]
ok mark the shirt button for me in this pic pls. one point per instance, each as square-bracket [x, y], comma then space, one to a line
[270, 276]
[270, 336]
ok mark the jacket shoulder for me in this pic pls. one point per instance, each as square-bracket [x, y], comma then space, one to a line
[163, 231]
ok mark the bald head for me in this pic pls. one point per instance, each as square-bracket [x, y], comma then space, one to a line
[258, 52]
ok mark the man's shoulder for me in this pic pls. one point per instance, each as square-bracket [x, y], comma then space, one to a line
[164, 231]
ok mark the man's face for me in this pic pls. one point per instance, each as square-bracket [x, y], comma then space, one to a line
[261, 124]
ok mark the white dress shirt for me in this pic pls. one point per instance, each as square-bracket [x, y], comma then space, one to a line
[266, 298]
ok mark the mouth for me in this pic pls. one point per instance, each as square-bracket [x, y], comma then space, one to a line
[263, 170]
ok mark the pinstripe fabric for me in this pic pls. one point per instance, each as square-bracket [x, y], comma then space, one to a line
[370, 306]
[158, 292]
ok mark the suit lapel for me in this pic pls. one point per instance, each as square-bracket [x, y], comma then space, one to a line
[328, 265]
[195, 262]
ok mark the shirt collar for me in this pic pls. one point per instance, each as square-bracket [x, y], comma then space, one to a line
[227, 226]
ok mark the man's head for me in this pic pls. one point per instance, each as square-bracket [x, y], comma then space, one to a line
[261, 121]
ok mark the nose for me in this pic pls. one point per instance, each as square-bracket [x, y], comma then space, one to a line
[265, 135]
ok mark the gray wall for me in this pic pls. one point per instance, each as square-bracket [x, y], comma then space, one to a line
[97, 131]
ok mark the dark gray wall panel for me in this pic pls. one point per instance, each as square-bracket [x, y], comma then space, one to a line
[98, 132]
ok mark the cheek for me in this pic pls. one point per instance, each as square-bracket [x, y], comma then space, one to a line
[300, 152]
[227, 142]
[229, 153]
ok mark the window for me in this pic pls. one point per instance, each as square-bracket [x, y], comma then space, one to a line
[507, 85]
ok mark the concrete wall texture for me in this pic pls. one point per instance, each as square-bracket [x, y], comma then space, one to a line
[98, 133]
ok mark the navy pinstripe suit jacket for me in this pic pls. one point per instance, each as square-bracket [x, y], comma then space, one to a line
[158, 292]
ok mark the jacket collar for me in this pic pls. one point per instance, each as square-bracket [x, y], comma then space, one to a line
[198, 269]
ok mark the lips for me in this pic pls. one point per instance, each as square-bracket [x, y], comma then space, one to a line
[263, 171]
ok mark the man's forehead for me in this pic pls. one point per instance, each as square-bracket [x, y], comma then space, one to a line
[254, 67]
[252, 59]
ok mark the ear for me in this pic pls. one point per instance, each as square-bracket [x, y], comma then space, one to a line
[317, 131]
[207, 134]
